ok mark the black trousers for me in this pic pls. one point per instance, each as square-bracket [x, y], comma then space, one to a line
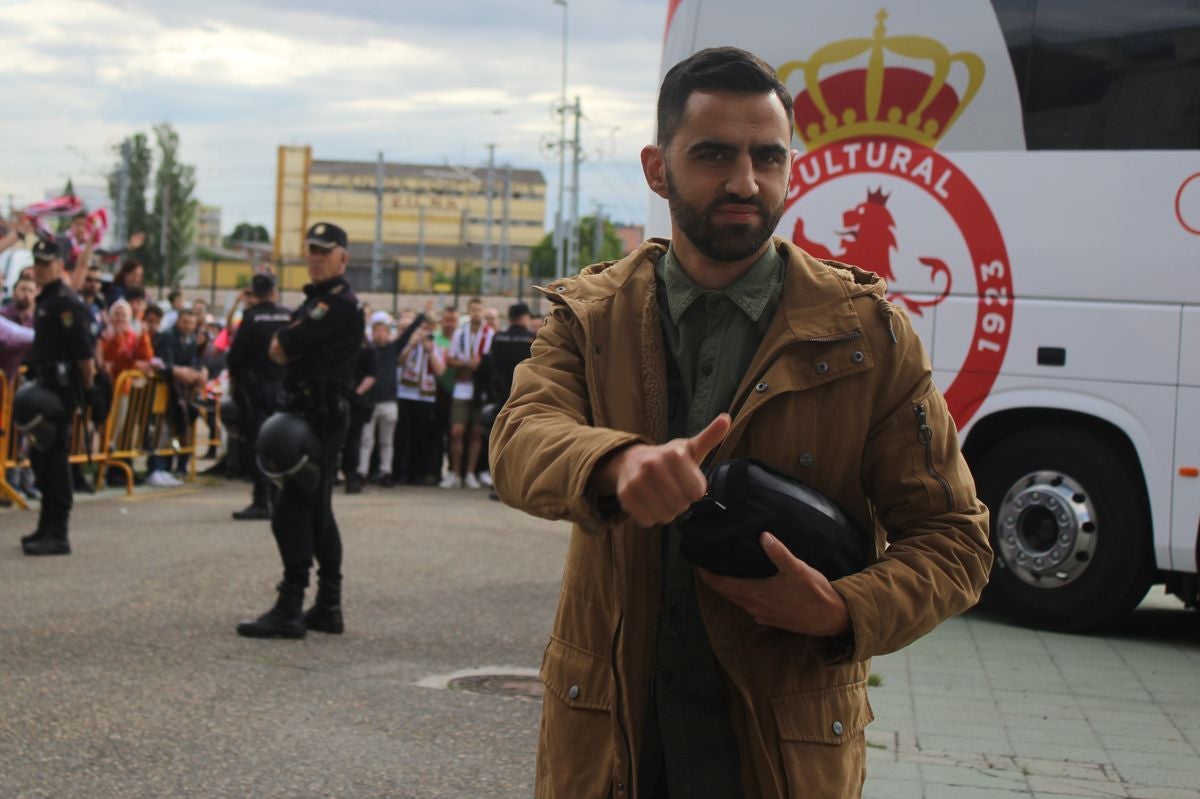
[255, 407]
[302, 521]
[52, 471]
[418, 454]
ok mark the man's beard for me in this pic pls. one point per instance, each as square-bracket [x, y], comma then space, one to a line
[23, 305]
[730, 242]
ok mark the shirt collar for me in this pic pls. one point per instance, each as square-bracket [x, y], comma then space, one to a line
[751, 292]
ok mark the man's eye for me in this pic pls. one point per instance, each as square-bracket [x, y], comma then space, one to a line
[711, 155]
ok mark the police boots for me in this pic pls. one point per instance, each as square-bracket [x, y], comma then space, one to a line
[285, 620]
[46, 541]
[326, 613]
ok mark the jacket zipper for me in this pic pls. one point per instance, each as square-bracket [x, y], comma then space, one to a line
[925, 436]
[617, 706]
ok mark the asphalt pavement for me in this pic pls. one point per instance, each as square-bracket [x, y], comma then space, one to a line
[121, 676]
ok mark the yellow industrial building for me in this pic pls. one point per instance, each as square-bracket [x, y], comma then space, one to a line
[434, 220]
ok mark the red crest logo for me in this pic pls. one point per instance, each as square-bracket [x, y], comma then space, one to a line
[870, 135]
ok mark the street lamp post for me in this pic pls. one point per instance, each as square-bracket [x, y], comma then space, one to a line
[559, 238]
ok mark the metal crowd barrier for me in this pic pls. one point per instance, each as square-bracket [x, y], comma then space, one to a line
[138, 425]
[9, 446]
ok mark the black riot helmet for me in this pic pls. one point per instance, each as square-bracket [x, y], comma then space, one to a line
[35, 412]
[488, 413]
[288, 449]
[231, 417]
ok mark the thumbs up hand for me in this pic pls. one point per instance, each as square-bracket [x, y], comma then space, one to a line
[656, 483]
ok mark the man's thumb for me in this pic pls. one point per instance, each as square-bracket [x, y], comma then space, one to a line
[707, 439]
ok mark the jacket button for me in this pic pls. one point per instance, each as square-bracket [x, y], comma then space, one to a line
[706, 369]
[573, 693]
[806, 459]
[761, 387]
[822, 368]
[560, 289]
[837, 728]
[857, 357]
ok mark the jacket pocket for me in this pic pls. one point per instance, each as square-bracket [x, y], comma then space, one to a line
[575, 754]
[821, 740]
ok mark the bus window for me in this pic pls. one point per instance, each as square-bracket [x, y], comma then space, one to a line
[1016, 23]
[1114, 75]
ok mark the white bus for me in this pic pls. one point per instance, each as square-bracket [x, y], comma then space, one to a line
[1026, 175]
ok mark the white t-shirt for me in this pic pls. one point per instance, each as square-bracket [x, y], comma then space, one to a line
[465, 345]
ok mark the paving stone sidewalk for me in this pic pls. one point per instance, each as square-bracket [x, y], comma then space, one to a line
[983, 710]
[120, 675]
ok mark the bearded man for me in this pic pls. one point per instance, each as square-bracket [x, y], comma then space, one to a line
[663, 679]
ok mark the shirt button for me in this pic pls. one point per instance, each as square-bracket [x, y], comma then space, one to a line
[837, 728]
[857, 357]
[761, 387]
[573, 693]
[822, 367]
[706, 369]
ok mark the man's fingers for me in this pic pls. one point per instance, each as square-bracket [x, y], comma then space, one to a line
[707, 439]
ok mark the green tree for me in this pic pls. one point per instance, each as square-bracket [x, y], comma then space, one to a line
[542, 256]
[176, 182]
[64, 222]
[137, 217]
[247, 233]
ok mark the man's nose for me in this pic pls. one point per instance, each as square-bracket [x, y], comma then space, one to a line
[742, 182]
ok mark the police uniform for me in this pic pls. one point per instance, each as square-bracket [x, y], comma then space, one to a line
[320, 342]
[257, 386]
[61, 339]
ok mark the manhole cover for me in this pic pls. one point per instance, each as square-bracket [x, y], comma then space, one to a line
[514, 686]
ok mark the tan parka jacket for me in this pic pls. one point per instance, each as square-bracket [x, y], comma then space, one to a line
[838, 395]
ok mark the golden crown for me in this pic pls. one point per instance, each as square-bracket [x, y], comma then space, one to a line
[881, 100]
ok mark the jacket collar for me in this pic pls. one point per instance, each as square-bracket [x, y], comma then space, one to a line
[325, 286]
[816, 302]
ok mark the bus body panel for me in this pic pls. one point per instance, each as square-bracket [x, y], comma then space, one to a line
[1042, 232]
[1145, 414]
[1185, 513]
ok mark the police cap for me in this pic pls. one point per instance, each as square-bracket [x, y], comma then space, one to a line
[326, 236]
[46, 250]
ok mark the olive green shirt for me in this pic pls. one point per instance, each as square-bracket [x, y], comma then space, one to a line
[711, 337]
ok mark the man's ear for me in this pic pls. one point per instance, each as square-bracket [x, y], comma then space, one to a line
[654, 167]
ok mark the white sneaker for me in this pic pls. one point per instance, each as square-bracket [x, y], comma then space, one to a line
[157, 479]
[449, 481]
[471, 482]
[171, 480]
[485, 479]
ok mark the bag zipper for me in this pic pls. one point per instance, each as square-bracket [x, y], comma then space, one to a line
[925, 436]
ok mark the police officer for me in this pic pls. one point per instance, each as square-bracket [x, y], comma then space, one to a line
[317, 351]
[60, 361]
[257, 384]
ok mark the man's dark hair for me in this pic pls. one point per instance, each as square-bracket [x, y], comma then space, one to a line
[725, 69]
[173, 294]
[135, 293]
[152, 310]
[517, 310]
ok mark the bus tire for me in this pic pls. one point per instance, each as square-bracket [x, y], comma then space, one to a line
[1069, 527]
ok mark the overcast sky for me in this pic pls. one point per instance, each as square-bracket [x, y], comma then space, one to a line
[422, 81]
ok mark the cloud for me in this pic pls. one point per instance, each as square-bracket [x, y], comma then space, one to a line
[421, 81]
